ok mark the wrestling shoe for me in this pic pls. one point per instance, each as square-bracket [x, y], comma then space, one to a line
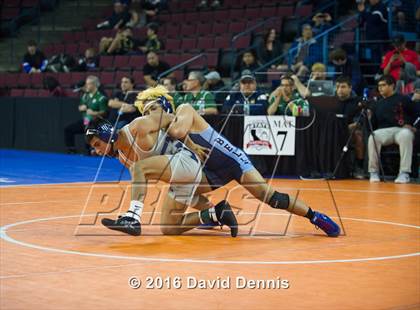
[124, 224]
[326, 224]
[225, 216]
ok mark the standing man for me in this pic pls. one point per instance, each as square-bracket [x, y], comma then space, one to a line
[392, 116]
[201, 100]
[375, 18]
[123, 102]
[92, 104]
[249, 100]
[153, 68]
[349, 107]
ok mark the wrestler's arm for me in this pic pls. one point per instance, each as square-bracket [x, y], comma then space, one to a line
[183, 122]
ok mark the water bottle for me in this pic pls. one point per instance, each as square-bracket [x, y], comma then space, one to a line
[306, 110]
[201, 107]
[246, 108]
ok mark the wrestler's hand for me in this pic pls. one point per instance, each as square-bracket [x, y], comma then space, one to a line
[201, 152]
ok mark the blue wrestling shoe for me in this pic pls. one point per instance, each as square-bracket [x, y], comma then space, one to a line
[326, 224]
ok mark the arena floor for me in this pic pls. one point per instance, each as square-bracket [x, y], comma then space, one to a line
[55, 254]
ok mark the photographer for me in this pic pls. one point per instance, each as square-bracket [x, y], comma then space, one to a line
[393, 117]
[401, 63]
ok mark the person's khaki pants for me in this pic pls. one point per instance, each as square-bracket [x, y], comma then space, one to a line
[404, 137]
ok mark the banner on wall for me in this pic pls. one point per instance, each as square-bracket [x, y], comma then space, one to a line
[269, 135]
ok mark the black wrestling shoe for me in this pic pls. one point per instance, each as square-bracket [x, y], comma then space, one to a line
[225, 216]
[124, 224]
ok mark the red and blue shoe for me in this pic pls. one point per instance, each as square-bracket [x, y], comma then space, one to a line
[326, 224]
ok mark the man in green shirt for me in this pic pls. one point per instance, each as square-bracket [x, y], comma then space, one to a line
[92, 104]
[288, 98]
[201, 100]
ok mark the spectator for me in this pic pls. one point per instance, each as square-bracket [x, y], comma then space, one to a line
[51, 84]
[376, 24]
[170, 85]
[348, 105]
[270, 48]
[318, 72]
[288, 98]
[152, 42]
[123, 101]
[401, 63]
[123, 43]
[119, 18]
[34, 60]
[92, 104]
[321, 22]
[249, 100]
[250, 62]
[213, 84]
[153, 68]
[347, 66]
[89, 61]
[392, 116]
[304, 52]
[201, 100]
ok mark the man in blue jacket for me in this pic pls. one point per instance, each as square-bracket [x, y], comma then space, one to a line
[248, 100]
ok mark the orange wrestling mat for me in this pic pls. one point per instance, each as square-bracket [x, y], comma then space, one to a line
[55, 254]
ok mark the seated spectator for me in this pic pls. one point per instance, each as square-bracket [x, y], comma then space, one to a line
[123, 43]
[34, 60]
[348, 66]
[249, 100]
[348, 105]
[393, 116]
[89, 61]
[288, 98]
[318, 83]
[152, 42]
[270, 48]
[375, 21]
[318, 72]
[305, 51]
[123, 102]
[51, 84]
[250, 62]
[153, 68]
[119, 18]
[92, 104]
[170, 84]
[213, 83]
[200, 99]
[321, 22]
[401, 63]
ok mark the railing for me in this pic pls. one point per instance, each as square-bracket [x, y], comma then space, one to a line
[183, 64]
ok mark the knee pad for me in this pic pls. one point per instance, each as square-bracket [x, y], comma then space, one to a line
[279, 201]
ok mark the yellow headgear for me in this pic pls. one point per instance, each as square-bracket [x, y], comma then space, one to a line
[153, 93]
